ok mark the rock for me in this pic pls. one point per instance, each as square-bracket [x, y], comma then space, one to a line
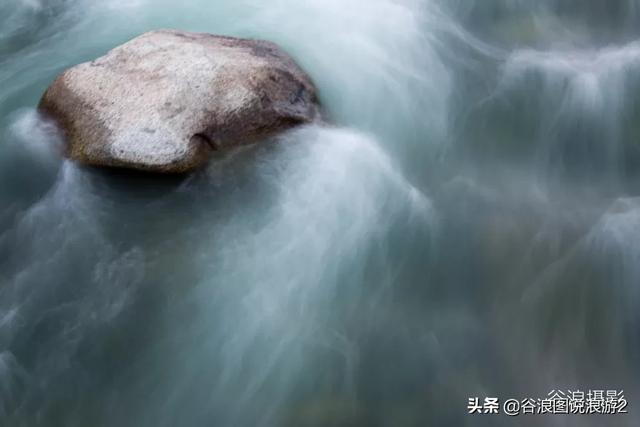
[165, 100]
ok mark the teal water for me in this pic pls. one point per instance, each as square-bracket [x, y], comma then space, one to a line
[465, 226]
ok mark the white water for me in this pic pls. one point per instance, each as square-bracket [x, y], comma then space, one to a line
[465, 227]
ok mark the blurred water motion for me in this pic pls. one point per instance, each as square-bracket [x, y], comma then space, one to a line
[467, 226]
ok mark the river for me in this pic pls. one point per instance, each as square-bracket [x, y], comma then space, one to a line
[466, 226]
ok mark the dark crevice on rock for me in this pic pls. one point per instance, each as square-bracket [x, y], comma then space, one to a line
[202, 138]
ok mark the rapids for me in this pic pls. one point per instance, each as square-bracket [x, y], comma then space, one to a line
[465, 226]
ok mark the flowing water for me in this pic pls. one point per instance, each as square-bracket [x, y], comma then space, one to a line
[468, 225]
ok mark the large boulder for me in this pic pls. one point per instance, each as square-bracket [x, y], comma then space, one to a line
[165, 100]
